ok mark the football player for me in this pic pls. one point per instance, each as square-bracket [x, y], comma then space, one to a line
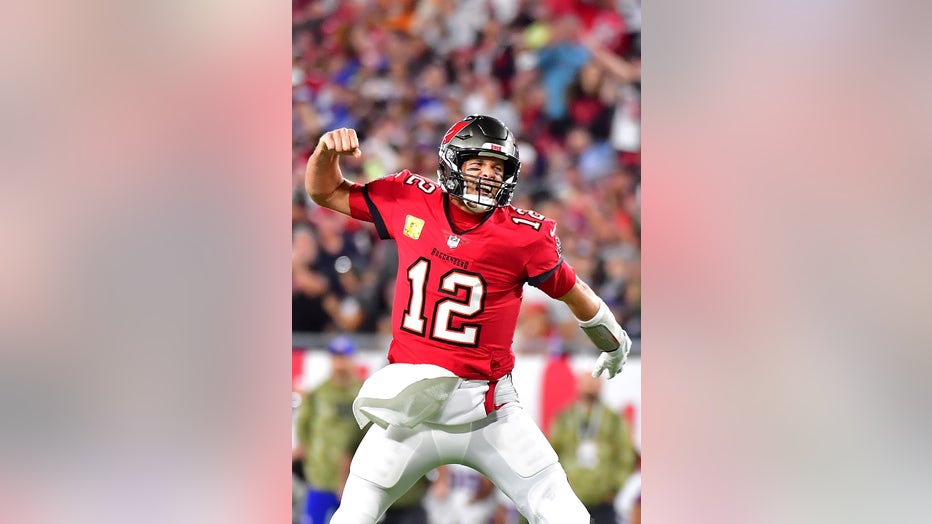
[464, 255]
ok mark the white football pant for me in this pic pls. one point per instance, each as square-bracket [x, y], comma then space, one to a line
[507, 447]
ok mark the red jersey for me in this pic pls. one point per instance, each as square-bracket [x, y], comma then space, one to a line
[458, 291]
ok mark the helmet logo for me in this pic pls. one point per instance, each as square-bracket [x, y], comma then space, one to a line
[457, 127]
[495, 147]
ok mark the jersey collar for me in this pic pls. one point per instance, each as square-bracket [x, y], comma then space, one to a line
[450, 212]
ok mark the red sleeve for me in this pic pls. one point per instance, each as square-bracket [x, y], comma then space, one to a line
[561, 281]
[373, 201]
[546, 268]
[357, 203]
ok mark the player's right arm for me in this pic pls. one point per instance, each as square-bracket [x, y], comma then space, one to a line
[323, 179]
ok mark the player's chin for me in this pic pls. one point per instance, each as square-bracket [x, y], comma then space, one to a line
[476, 207]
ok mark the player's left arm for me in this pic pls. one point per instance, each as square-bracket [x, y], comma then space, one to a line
[600, 325]
[553, 275]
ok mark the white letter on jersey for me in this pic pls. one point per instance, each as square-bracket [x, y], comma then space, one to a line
[417, 275]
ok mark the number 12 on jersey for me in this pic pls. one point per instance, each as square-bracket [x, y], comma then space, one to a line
[439, 326]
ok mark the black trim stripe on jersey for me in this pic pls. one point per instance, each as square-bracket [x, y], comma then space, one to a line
[446, 212]
[376, 216]
[540, 279]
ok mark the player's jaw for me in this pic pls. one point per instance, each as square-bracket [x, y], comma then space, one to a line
[480, 193]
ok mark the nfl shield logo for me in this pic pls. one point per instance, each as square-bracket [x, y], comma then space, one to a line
[453, 241]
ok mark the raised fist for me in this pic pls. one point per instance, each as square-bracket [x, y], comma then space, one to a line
[341, 141]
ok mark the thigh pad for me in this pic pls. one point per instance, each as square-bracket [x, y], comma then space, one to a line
[384, 455]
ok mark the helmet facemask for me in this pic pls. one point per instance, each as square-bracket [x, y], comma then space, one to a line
[485, 193]
[478, 137]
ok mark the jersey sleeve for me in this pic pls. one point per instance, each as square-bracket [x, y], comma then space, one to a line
[547, 270]
[374, 202]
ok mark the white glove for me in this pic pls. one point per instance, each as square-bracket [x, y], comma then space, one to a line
[612, 361]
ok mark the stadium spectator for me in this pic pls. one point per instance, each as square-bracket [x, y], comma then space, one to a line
[309, 286]
[327, 433]
[594, 445]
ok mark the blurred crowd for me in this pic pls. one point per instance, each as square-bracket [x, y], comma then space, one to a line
[563, 75]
